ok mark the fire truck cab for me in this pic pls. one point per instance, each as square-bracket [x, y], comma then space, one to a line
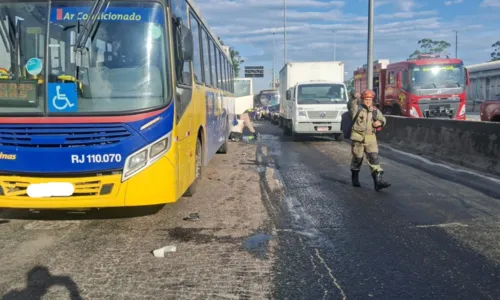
[425, 87]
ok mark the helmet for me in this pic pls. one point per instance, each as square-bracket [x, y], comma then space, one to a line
[368, 94]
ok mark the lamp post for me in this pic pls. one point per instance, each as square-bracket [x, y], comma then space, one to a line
[274, 57]
[456, 43]
[284, 30]
[335, 45]
[369, 77]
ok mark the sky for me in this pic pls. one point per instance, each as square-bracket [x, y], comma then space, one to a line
[255, 29]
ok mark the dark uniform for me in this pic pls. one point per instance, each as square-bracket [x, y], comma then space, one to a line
[364, 141]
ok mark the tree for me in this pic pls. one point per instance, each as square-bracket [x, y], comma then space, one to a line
[235, 58]
[495, 55]
[430, 46]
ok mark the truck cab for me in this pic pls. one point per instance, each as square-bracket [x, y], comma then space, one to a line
[315, 108]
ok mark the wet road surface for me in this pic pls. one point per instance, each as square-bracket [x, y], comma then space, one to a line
[425, 237]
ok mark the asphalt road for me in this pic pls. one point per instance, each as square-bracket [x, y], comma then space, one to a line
[278, 219]
[426, 237]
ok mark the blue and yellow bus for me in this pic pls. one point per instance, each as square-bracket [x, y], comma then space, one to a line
[108, 103]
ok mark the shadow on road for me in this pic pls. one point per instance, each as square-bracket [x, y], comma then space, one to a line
[39, 282]
[87, 214]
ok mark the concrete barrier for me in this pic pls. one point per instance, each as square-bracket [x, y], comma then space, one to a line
[474, 145]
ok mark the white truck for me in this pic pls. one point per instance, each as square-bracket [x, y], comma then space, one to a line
[314, 97]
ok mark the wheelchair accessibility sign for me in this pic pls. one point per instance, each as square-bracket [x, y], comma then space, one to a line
[63, 97]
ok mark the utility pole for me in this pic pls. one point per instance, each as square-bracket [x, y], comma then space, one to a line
[284, 30]
[335, 45]
[456, 43]
[369, 78]
[274, 57]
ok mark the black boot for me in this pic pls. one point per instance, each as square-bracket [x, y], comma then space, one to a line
[355, 178]
[379, 182]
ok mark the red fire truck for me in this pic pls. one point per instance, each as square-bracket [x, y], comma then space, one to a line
[425, 87]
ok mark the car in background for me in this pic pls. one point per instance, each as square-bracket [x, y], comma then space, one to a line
[490, 110]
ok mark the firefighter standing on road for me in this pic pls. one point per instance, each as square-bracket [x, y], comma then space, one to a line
[364, 140]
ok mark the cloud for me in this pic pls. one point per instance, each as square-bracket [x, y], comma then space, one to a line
[448, 3]
[406, 5]
[408, 14]
[255, 28]
[491, 3]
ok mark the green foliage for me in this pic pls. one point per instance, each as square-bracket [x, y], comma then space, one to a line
[430, 46]
[495, 55]
[235, 58]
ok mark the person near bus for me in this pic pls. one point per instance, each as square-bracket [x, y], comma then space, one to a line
[366, 120]
[248, 123]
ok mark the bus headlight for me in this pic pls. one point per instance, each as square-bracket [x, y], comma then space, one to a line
[146, 156]
[158, 148]
[137, 160]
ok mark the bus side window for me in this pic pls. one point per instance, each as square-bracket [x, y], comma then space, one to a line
[197, 67]
[183, 69]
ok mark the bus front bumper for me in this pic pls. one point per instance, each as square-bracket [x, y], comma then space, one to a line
[153, 185]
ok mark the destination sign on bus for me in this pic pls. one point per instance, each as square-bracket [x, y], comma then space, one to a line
[11, 91]
[124, 14]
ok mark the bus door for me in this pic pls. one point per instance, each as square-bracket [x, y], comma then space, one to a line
[184, 107]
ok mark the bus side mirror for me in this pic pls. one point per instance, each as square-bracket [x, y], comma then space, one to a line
[186, 40]
[399, 80]
[288, 95]
[467, 77]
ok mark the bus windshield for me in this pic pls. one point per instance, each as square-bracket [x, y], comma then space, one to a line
[121, 67]
[242, 88]
[321, 94]
[437, 76]
[269, 99]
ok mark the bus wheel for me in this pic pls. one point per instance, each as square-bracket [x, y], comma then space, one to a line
[198, 171]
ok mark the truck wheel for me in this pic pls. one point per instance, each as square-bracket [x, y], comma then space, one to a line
[286, 130]
[339, 137]
[396, 110]
[198, 171]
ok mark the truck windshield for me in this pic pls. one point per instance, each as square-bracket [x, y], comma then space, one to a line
[321, 94]
[437, 76]
[122, 65]
[242, 88]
